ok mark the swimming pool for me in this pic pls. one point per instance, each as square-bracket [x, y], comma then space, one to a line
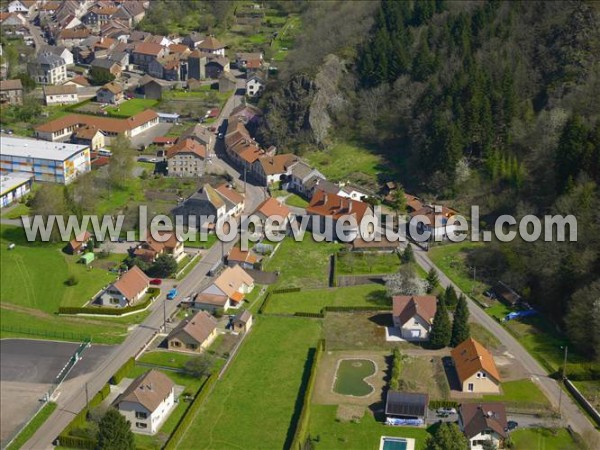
[395, 443]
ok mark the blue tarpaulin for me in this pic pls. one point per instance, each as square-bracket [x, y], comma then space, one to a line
[520, 314]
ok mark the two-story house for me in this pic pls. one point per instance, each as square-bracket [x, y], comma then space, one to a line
[475, 367]
[60, 95]
[228, 290]
[48, 68]
[186, 158]
[147, 402]
[413, 315]
[483, 423]
[127, 290]
[145, 52]
[11, 92]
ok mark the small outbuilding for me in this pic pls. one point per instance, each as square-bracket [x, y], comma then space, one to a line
[87, 258]
[242, 322]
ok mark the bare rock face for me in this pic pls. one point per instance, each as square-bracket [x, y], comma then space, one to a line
[328, 97]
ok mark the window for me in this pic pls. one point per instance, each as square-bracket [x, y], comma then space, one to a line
[141, 415]
[141, 425]
[470, 387]
[114, 301]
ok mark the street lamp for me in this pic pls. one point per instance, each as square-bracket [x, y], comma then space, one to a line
[563, 378]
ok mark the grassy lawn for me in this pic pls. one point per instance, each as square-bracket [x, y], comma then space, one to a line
[349, 263]
[521, 393]
[345, 161]
[314, 300]
[450, 259]
[207, 243]
[364, 435]
[295, 200]
[166, 359]
[483, 336]
[26, 280]
[542, 439]
[263, 383]
[32, 426]
[20, 209]
[302, 264]
[131, 107]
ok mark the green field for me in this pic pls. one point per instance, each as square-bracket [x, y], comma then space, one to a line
[20, 209]
[542, 439]
[254, 405]
[32, 426]
[345, 161]
[131, 107]
[166, 359]
[349, 263]
[302, 264]
[313, 300]
[521, 393]
[330, 434]
[34, 274]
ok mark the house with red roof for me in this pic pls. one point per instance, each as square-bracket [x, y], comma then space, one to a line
[126, 291]
[186, 158]
[413, 315]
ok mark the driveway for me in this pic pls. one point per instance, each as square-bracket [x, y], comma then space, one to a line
[147, 136]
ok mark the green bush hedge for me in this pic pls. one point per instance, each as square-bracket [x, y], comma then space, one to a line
[301, 433]
[123, 371]
[264, 303]
[435, 404]
[286, 290]
[307, 314]
[110, 311]
[76, 442]
[580, 372]
[187, 418]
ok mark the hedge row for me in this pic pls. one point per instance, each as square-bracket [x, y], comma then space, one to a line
[123, 371]
[435, 404]
[286, 290]
[580, 371]
[264, 303]
[307, 314]
[187, 418]
[301, 433]
[110, 311]
[65, 438]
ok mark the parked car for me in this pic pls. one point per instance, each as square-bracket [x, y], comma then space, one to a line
[172, 294]
[156, 282]
[511, 425]
[448, 411]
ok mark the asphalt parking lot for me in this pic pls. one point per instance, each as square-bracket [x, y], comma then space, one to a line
[28, 369]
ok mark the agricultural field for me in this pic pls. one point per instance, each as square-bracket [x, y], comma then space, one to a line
[313, 300]
[302, 264]
[264, 381]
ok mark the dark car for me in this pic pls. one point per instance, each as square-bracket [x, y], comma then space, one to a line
[511, 425]
[156, 282]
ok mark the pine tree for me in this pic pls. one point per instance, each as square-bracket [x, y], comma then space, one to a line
[433, 280]
[408, 255]
[114, 432]
[450, 297]
[460, 326]
[441, 331]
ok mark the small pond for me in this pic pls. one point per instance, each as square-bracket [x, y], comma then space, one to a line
[350, 377]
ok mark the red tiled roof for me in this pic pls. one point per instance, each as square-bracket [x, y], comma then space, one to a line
[272, 207]
[103, 123]
[188, 145]
[470, 357]
[164, 140]
[147, 48]
[407, 306]
[231, 194]
[132, 283]
[324, 204]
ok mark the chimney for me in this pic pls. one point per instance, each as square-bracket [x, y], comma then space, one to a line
[349, 206]
[325, 199]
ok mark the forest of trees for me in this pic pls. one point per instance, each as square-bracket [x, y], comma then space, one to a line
[488, 103]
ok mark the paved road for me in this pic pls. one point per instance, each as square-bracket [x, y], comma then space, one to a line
[72, 395]
[570, 411]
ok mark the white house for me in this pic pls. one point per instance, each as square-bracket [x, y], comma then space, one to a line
[22, 6]
[436, 221]
[228, 290]
[147, 402]
[60, 95]
[413, 315]
[127, 290]
[255, 84]
[483, 422]
[352, 191]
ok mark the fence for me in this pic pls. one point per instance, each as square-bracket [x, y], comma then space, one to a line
[61, 335]
[96, 310]
[301, 433]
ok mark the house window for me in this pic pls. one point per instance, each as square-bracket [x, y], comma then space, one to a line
[141, 415]
[141, 425]
[114, 301]
[175, 344]
[470, 387]
[192, 346]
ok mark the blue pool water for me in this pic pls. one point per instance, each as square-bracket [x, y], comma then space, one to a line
[394, 444]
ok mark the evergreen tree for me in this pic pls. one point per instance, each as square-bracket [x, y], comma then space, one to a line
[114, 432]
[570, 150]
[460, 326]
[450, 297]
[408, 256]
[433, 280]
[447, 437]
[441, 331]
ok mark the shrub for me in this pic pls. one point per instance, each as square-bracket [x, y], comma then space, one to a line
[72, 280]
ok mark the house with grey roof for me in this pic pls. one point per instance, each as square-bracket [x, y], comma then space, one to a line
[298, 176]
[48, 68]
